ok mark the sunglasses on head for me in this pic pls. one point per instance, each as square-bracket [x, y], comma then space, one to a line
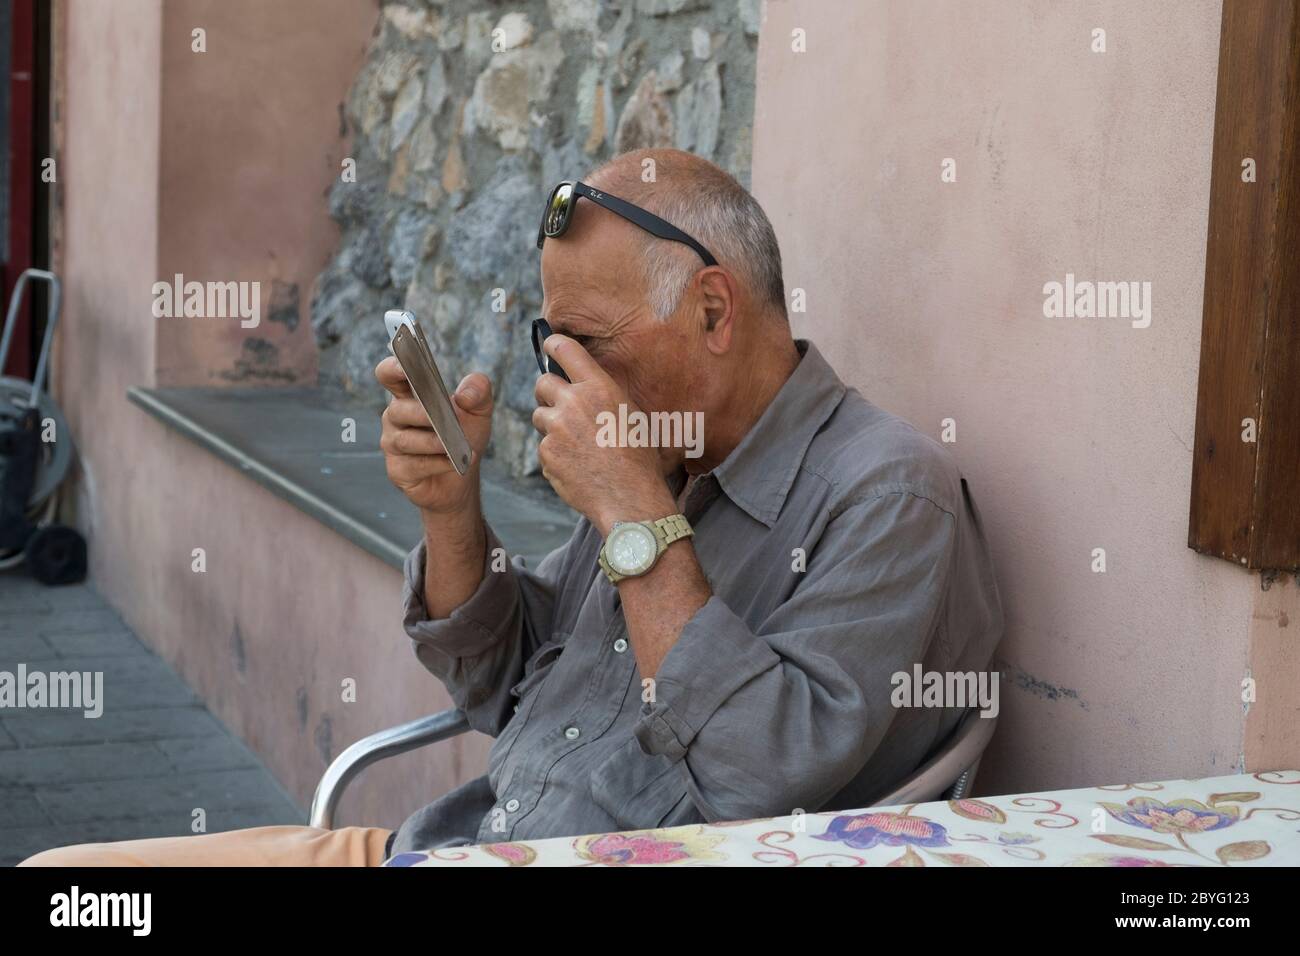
[559, 213]
[555, 220]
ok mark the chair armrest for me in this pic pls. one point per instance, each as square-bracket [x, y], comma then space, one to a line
[368, 750]
[952, 768]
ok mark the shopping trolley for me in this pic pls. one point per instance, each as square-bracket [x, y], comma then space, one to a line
[35, 457]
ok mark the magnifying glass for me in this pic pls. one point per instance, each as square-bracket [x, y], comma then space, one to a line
[541, 331]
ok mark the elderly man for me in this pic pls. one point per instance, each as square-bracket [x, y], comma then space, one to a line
[719, 638]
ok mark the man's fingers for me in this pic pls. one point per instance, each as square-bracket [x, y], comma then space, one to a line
[411, 469]
[544, 417]
[407, 413]
[474, 397]
[390, 375]
[548, 388]
[573, 358]
[411, 441]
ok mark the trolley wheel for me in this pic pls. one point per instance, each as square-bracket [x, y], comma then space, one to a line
[56, 554]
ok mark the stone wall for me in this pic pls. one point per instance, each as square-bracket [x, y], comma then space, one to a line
[463, 116]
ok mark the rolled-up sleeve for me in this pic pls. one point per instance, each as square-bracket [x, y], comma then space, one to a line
[768, 720]
[480, 649]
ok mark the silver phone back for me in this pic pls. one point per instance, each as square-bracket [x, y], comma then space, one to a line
[416, 359]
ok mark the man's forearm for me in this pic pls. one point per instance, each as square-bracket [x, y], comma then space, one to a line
[658, 604]
[455, 546]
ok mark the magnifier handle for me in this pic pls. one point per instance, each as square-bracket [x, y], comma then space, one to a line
[541, 332]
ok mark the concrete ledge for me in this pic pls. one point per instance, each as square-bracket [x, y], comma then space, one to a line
[290, 440]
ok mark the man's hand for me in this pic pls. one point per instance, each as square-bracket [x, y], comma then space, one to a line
[605, 484]
[449, 503]
[416, 461]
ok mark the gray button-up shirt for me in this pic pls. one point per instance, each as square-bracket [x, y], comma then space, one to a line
[842, 547]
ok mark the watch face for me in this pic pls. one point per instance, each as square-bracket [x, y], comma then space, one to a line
[630, 549]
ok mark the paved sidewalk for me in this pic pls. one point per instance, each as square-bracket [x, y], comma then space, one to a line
[138, 770]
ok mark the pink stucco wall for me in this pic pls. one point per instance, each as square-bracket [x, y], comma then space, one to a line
[926, 295]
[249, 141]
[1075, 433]
[301, 607]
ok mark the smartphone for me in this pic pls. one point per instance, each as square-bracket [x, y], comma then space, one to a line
[406, 339]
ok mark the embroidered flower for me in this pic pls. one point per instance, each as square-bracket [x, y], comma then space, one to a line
[1177, 816]
[650, 847]
[516, 854]
[866, 830]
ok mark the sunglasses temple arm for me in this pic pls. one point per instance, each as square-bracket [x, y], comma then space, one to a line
[645, 219]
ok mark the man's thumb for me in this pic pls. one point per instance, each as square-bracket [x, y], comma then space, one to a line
[474, 394]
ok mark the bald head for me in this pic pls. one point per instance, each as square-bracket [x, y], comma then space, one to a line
[710, 206]
[674, 333]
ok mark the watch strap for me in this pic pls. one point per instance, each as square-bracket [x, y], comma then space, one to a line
[673, 528]
[614, 576]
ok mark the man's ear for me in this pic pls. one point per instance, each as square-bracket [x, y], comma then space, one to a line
[718, 301]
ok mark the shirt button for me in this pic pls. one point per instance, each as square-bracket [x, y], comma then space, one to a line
[620, 645]
[512, 806]
[571, 733]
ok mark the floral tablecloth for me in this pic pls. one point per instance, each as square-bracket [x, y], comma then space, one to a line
[1240, 820]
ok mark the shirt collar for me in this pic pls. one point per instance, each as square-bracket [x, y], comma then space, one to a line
[758, 473]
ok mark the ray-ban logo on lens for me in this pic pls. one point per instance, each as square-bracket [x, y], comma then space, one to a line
[638, 429]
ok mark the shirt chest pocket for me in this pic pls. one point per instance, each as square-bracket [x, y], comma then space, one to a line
[523, 695]
[537, 667]
[637, 789]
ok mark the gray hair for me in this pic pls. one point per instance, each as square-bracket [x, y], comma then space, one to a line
[720, 214]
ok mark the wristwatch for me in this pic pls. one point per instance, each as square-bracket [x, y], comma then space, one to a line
[633, 547]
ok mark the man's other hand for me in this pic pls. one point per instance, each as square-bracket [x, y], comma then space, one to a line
[606, 484]
[416, 461]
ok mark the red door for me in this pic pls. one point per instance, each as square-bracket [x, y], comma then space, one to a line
[21, 172]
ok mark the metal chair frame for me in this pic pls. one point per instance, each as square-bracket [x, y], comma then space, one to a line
[949, 773]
